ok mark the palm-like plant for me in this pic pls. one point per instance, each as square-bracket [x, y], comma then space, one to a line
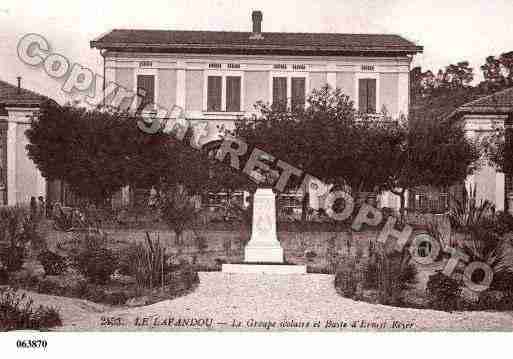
[467, 213]
[178, 210]
[482, 242]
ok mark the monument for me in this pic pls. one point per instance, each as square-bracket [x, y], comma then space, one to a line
[264, 253]
[264, 246]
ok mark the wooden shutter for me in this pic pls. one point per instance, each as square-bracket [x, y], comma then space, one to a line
[280, 92]
[371, 96]
[298, 93]
[214, 93]
[367, 95]
[233, 93]
[146, 89]
[3, 163]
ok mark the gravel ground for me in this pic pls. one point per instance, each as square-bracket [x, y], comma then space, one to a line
[267, 302]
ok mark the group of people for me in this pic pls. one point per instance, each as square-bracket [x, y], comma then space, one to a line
[38, 207]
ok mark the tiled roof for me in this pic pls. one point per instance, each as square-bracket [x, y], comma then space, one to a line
[268, 42]
[499, 102]
[11, 95]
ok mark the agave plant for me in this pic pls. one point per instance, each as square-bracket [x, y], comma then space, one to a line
[482, 242]
[468, 213]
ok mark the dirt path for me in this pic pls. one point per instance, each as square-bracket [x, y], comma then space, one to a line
[259, 301]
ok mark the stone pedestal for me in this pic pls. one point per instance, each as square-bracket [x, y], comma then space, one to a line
[264, 245]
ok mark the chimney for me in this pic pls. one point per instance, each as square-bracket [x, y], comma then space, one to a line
[257, 22]
[19, 83]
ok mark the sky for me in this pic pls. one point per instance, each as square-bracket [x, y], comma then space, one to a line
[449, 30]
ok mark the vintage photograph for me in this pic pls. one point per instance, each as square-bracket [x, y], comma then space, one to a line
[256, 166]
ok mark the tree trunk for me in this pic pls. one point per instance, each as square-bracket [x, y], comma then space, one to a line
[304, 207]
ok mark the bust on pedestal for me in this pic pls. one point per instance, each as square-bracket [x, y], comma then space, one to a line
[264, 245]
[263, 253]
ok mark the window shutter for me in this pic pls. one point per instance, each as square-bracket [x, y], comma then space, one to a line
[214, 93]
[280, 92]
[362, 95]
[146, 89]
[233, 93]
[367, 95]
[298, 93]
[371, 96]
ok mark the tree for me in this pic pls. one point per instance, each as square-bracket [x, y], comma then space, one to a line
[458, 75]
[498, 72]
[97, 152]
[328, 140]
[436, 153]
[499, 149]
[84, 148]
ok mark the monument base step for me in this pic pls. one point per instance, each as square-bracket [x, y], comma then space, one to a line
[256, 254]
[264, 268]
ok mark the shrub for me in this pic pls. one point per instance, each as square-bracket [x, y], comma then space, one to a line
[17, 312]
[4, 275]
[146, 262]
[47, 286]
[12, 257]
[502, 281]
[348, 278]
[62, 221]
[331, 255]
[18, 228]
[178, 211]
[53, 263]
[188, 275]
[201, 244]
[310, 255]
[504, 223]
[94, 260]
[443, 292]
[390, 273]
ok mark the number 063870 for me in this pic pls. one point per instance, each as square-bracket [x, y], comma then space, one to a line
[31, 343]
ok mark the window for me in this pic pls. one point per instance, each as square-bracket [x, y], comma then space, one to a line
[289, 87]
[232, 93]
[367, 95]
[298, 93]
[280, 92]
[214, 93]
[224, 93]
[146, 89]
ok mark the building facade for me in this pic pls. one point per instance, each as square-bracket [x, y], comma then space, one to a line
[19, 177]
[481, 118]
[218, 77]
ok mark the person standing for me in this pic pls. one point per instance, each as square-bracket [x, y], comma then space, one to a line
[42, 207]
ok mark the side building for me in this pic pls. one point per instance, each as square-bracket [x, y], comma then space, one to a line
[19, 177]
[481, 118]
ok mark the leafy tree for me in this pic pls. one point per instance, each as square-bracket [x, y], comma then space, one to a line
[499, 150]
[452, 77]
[436, 153]
[458, 75]
[84, 148]
[498, 72]
[97, 152]
[328, 140]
